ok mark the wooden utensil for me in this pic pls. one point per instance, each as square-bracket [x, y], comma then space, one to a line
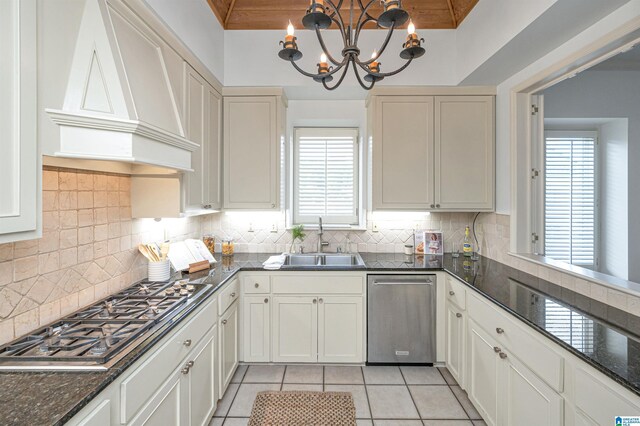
[145, 252]
[164, 250]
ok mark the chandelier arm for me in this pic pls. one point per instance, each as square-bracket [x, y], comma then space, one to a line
[360, 26]
[364, 10]
[324, 48]
[336, 8]
[326, 74]
[382, 48]
[364, 86]
[339, 82]
[387, 74]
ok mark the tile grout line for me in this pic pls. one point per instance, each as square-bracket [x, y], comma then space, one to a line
[410, 394]
[366, 393]
[454, 394]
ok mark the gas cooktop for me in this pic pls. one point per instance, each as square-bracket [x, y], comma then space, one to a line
[97, 336]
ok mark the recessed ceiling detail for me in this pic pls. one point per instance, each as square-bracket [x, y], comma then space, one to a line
[275, 14]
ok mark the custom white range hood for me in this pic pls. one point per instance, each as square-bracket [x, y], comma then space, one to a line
[121, 102]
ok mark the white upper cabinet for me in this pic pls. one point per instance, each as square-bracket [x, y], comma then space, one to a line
[253, 136]
[403, 153]
[19, 165]
[432, 152]
[464, 152]
[203, 119]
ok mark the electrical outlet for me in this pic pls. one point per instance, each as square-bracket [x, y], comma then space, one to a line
[274, 227]
[416, 225]
[374, 227]
[250, 227]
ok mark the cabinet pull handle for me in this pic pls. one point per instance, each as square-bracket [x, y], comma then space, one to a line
[187, 342]
[273, 205]
[206, 206]
[315, 301]
[433, 206]
[497, 349]
[224, 321]
[451, 293]
[458, 315]
[503, 355]
[233, 295]
[499, 330]
[185, 370]
[320, 300]
[266, 300]
[437, 206]
[256, 285]
[190, 364]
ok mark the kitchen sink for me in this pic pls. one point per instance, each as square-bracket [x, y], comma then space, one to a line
[324, 260]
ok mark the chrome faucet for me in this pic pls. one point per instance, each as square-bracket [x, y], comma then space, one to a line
[321, 243]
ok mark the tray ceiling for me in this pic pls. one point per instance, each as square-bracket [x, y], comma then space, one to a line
[275, 14]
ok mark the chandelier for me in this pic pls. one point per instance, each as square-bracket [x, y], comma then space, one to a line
[322, 13]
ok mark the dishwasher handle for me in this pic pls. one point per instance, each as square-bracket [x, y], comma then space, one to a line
[403, 282]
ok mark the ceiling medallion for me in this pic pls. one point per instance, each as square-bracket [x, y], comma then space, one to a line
[322, 13]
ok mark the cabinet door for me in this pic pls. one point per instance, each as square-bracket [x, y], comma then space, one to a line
[195, 120]
[295, 329]
[168, 407]
[202, 380]
[455, 342]
[340, 329]
[251, 152]
[257, 328]
[403, 153]
[213, 149]
[482, 383]
[19, 164]
[525, 399]
[464, 152]
[99, 416]
[228, 346]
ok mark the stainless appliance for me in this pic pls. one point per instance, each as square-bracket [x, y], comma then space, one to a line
[401, 318]
[97, 336]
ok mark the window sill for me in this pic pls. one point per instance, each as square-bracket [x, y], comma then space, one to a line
[329, 227]
[605, 280]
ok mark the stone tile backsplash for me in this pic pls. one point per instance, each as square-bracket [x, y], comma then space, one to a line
[87, 250]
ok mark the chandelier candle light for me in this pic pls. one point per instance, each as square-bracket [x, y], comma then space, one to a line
[321, 14]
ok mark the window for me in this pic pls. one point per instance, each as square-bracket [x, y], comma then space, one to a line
[325, 175]
[570, 197]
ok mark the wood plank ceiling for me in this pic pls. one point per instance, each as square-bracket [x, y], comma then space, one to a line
[275, 14]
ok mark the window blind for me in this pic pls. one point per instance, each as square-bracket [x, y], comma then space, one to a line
[570, 199]
[325, 175]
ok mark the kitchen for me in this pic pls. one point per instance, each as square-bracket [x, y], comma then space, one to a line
[135, 122]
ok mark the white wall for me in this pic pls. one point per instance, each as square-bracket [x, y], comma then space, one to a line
[614, 209]
[608, 94]
[252, 60]
[196, 25]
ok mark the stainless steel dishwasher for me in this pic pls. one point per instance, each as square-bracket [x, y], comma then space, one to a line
[401, 319]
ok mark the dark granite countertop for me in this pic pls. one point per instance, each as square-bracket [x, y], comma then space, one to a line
[595, 332]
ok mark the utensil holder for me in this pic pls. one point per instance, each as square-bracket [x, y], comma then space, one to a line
[159, 271]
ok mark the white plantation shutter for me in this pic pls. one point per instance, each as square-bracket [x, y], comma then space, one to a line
[325, 175]
[570, 197]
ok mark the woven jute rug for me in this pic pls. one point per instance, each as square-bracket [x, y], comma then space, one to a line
[300, 408]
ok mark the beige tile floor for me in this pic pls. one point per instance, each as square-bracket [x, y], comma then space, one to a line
[384, 396]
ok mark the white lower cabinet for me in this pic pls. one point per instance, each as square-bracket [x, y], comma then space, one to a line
[318, 329]
[99, 416]
[203, 387]
[256, 328]
[482, 383]
[340, 329]
[229, 345]
[455, 348]
[168, 406]
[295, 329]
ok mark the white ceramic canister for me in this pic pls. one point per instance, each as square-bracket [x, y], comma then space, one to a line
[159, 271]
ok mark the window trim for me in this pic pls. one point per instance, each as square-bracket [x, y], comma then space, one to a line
[329, 222]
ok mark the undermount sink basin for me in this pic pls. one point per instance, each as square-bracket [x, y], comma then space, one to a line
[316, 260]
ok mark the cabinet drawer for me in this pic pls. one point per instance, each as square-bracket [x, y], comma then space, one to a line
[596, 396]
[314, 284]
[256, 284]
[138, 387]
[228, 295]
[522, 343]
[456, 293]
